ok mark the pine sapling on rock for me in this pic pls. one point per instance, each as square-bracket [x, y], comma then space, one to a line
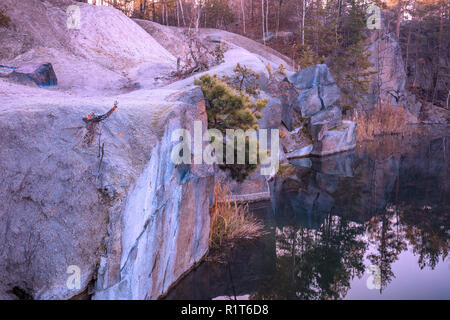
[228, 109]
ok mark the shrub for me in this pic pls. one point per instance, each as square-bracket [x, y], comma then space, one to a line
[227, 109]
[219, 52]
[198, 57]
[244, 79]
[307, 57]
[230, 222]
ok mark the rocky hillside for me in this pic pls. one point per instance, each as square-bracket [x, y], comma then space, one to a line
[108, 53]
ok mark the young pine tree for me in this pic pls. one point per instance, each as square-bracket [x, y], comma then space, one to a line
[228, 109]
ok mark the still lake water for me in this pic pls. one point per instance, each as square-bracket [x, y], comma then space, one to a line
[373, 223]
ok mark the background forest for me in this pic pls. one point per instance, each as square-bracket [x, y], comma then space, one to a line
[324, 31]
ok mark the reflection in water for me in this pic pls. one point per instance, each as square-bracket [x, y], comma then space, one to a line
[315, 264]
[332, 219]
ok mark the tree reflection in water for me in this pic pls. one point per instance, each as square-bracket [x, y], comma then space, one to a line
[316, 264]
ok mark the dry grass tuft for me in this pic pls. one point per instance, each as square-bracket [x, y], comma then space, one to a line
[382, 120]
[230, 221]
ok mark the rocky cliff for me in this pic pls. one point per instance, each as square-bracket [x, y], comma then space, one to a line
[165, 223]
[116, 209]
[388, 84]
[127, 217]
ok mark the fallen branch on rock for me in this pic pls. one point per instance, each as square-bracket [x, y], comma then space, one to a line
[92, 127]
[92, 131]
[198, 56]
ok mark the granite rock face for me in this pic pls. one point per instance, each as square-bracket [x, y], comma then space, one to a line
[392, 74]
[313, 76]
[339, 139]
[271, 115]
[332, 116]
[384, 47]
[289, 94]
[318, 89]
[166, 220]
[106, 54]
[135, 223]
[388, 83]
[314, 108]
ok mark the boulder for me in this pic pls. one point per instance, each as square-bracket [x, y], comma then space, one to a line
[329, 94]
[313, 107]
[312, 77]
[339, 139]
[271, 115]
[291, 141]
[317, 131]
[318, 89]
[288, 97]
[309, 102]
[332, 116]
[302, 152]
[5, 70]
[41, 74]
[324, 120]
[290, 117]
